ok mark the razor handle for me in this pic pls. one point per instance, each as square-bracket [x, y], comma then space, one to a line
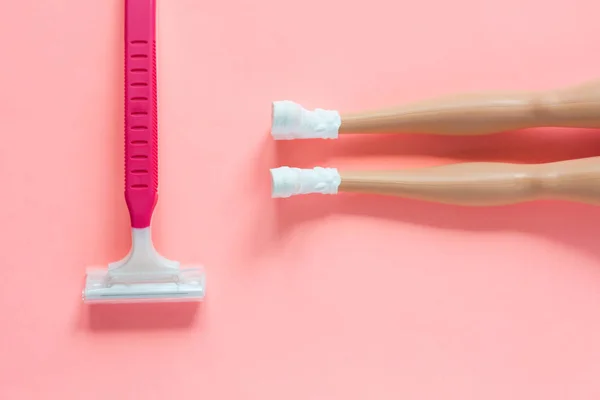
[141, 128]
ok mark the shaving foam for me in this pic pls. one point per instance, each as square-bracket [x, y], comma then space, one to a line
[288, 181]
[292, 121]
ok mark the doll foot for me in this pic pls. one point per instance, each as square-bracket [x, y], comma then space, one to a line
[292, 121]
[287, 182]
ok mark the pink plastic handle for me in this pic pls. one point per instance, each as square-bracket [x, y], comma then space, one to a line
[141, 130]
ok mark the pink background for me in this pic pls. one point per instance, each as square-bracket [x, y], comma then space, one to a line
[315, 297]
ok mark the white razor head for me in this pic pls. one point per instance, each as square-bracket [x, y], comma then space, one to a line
[143, 276]
[184, 284]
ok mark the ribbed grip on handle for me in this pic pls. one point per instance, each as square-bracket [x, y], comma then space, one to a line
[141, 129]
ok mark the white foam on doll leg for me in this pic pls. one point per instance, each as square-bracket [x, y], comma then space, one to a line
[288, 181]
[292, 121]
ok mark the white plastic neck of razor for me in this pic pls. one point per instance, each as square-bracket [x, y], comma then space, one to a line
[143, 257]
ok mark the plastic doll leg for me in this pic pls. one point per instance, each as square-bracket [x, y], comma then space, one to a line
[484, 184]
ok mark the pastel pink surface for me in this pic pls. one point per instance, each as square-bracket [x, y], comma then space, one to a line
[316, 297]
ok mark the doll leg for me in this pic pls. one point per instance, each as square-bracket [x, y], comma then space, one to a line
[460, 114]
[484, 184]
[484, 113]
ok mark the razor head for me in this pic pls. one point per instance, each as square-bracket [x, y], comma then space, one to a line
[115, 286]
[144, 275]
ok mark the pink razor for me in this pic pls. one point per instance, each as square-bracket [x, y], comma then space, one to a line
[143, 275]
